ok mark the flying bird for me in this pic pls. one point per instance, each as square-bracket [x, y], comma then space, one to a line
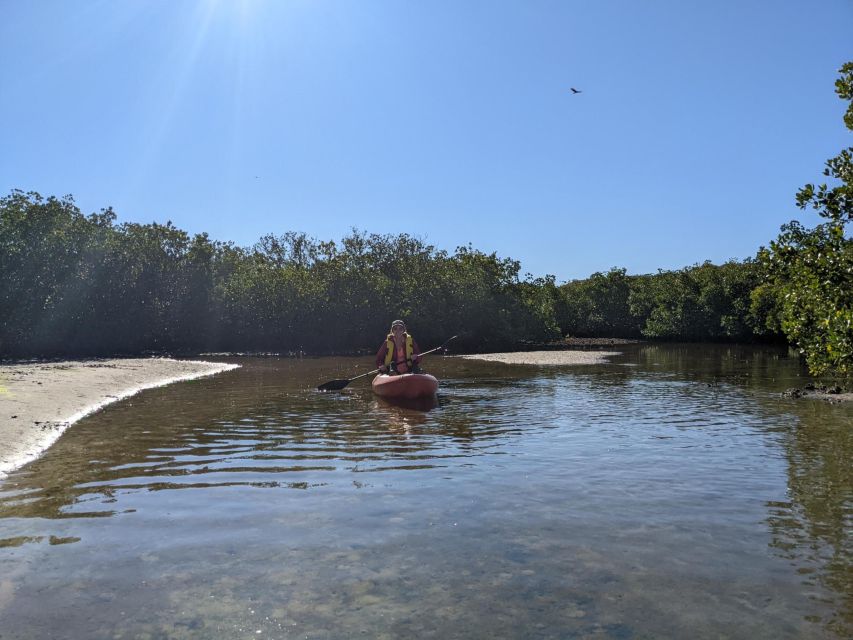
[575, 90]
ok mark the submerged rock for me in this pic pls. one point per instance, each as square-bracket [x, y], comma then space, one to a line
[834, 394]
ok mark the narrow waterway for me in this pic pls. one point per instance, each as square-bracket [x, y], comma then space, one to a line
[668, 493]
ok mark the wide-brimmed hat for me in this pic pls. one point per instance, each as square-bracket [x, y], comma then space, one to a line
[398, 322]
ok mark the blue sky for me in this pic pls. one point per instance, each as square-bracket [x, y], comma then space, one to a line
[450, 120]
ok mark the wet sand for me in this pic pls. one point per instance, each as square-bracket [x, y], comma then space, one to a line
[545, 358]
[38, 401]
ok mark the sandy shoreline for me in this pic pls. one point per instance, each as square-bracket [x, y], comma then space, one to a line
[38, 401]
[545, 357]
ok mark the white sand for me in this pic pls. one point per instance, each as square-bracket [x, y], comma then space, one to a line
[39, 401]
[545, 357]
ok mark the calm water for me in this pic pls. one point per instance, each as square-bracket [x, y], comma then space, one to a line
[670, 493]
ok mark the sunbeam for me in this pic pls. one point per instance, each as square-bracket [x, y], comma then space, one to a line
[176, 71]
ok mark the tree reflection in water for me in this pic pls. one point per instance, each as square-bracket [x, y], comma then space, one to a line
[813, 528]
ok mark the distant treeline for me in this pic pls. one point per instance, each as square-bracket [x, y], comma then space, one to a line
[696, 304]
[78, 284]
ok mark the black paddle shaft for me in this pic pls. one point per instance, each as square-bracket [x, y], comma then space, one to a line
[337, 385]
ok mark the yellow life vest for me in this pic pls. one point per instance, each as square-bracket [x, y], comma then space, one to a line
[391, 351]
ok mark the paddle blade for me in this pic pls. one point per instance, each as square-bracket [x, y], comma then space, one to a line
[333, 385]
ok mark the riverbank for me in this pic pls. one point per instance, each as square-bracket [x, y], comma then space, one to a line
[38, 401]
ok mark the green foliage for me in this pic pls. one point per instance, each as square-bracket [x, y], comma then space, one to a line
[599, 306]
[809, 272]
[703, 302]
[75, 284]
[81, 284]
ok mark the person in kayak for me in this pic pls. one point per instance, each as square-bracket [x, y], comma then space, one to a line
[399, 353]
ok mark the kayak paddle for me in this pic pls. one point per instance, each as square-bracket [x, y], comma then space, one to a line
[337, 385]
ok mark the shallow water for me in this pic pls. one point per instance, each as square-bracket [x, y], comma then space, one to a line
[669, 493]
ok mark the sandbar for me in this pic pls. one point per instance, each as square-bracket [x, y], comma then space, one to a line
[545, 358]
[38, 401]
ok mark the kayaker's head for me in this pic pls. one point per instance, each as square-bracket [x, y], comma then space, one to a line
[398, 327]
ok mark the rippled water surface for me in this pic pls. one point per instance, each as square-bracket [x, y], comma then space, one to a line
[669, 493]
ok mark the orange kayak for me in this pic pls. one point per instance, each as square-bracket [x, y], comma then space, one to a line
[406, 385]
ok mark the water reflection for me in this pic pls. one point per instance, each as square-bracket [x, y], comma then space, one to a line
[812, 528]
[408, 405]
[633, 499]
